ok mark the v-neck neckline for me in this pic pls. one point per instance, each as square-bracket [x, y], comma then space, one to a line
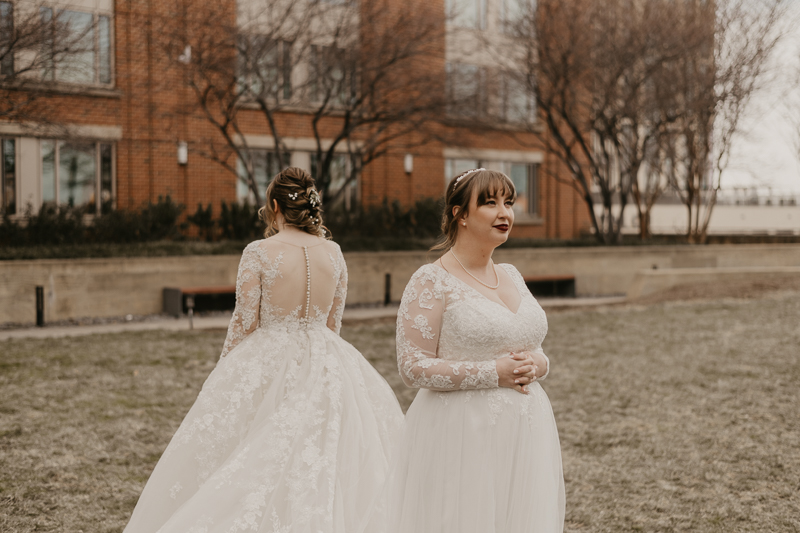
[479, 293]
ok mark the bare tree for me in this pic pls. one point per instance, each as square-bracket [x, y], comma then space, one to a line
[39, 46]
[597, 70]
[637, 95]
[713, 97]
[357, 72]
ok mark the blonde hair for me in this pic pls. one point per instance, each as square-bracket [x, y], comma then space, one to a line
[295, 192]
[487, 184]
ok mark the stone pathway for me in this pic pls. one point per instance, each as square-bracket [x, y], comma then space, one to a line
[351, 315]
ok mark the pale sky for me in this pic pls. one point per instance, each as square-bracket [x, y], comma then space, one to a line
[764, 155]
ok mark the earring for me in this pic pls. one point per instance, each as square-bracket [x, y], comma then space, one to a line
[464, 224]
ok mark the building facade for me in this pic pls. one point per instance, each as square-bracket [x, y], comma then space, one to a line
[108, 131]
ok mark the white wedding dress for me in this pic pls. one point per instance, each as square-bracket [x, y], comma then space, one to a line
[474, 458]
[293, 429]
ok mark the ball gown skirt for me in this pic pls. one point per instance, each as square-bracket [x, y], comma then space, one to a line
[482, 461]
[291, 432]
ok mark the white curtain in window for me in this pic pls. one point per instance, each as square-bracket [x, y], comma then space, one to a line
[77, 66]
[512, 12]
[517, 100]
[518, 172]
[467, 13]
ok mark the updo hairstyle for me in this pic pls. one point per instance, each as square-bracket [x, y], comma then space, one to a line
[486, 183]
[299, 202]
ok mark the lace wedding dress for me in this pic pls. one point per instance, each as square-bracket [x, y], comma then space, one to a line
[292, 430]
[474, 458]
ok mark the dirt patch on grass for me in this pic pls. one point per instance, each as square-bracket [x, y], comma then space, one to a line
[672, 417]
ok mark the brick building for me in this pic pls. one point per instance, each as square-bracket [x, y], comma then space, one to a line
[112, 136]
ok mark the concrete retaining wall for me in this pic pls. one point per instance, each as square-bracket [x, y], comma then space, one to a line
[119, 286]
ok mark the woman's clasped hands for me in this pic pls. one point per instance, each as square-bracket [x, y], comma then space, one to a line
[518, 370]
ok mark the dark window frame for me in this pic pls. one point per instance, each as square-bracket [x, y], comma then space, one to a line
[270, 166]
[8, 175]
[103, 64]
[7, 36]
[284, 67]
[105, 177]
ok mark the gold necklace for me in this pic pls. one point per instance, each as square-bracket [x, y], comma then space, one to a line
[475, 277]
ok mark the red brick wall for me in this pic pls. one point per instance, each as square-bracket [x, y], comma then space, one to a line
[149, 89]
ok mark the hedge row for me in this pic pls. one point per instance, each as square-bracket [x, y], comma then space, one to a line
[164, 221]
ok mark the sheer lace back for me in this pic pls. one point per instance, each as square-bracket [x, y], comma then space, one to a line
[287, 284]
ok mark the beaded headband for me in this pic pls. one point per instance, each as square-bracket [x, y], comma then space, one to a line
[465, 174]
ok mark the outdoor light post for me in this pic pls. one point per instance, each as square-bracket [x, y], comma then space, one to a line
[39, 306]
[190, 312]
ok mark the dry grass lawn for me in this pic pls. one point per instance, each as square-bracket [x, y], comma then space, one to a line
[677, 416]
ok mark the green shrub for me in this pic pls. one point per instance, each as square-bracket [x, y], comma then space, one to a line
[388, 220]
[65, 225]
[240, 222]
[160, 220]
[380, 227]
[204, 220]
[154, 222]
[11, 232]
[53, 225]
[118, 226]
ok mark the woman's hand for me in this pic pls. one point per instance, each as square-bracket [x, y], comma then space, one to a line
[539, 361]
[518, 370]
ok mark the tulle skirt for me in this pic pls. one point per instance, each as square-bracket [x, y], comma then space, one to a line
[292, 432]
[485, 461]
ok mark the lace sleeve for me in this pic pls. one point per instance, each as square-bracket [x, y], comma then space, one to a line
[339, 297]
[547, 360]
[419, 321]
[248, 299]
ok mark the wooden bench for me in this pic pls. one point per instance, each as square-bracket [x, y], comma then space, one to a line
[562, 286]
[211, 298]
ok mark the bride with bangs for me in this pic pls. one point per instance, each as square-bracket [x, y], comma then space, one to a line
[480, 450]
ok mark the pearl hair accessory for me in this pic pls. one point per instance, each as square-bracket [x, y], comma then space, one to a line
[292, 195]
[465, 174]
[313, 198]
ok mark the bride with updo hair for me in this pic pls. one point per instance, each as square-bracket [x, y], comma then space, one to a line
[293, 429]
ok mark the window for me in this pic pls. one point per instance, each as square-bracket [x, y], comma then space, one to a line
[78, 174]
[331, 77]
[8, 175]
[265, 66]
[516, 99]
[265, 167]
[466, 90]
[526, 180]
[6, 37]
[524, 175]
[77, 47]
[340, 173]
[454, 167]
[514, 12]
[467, 13]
